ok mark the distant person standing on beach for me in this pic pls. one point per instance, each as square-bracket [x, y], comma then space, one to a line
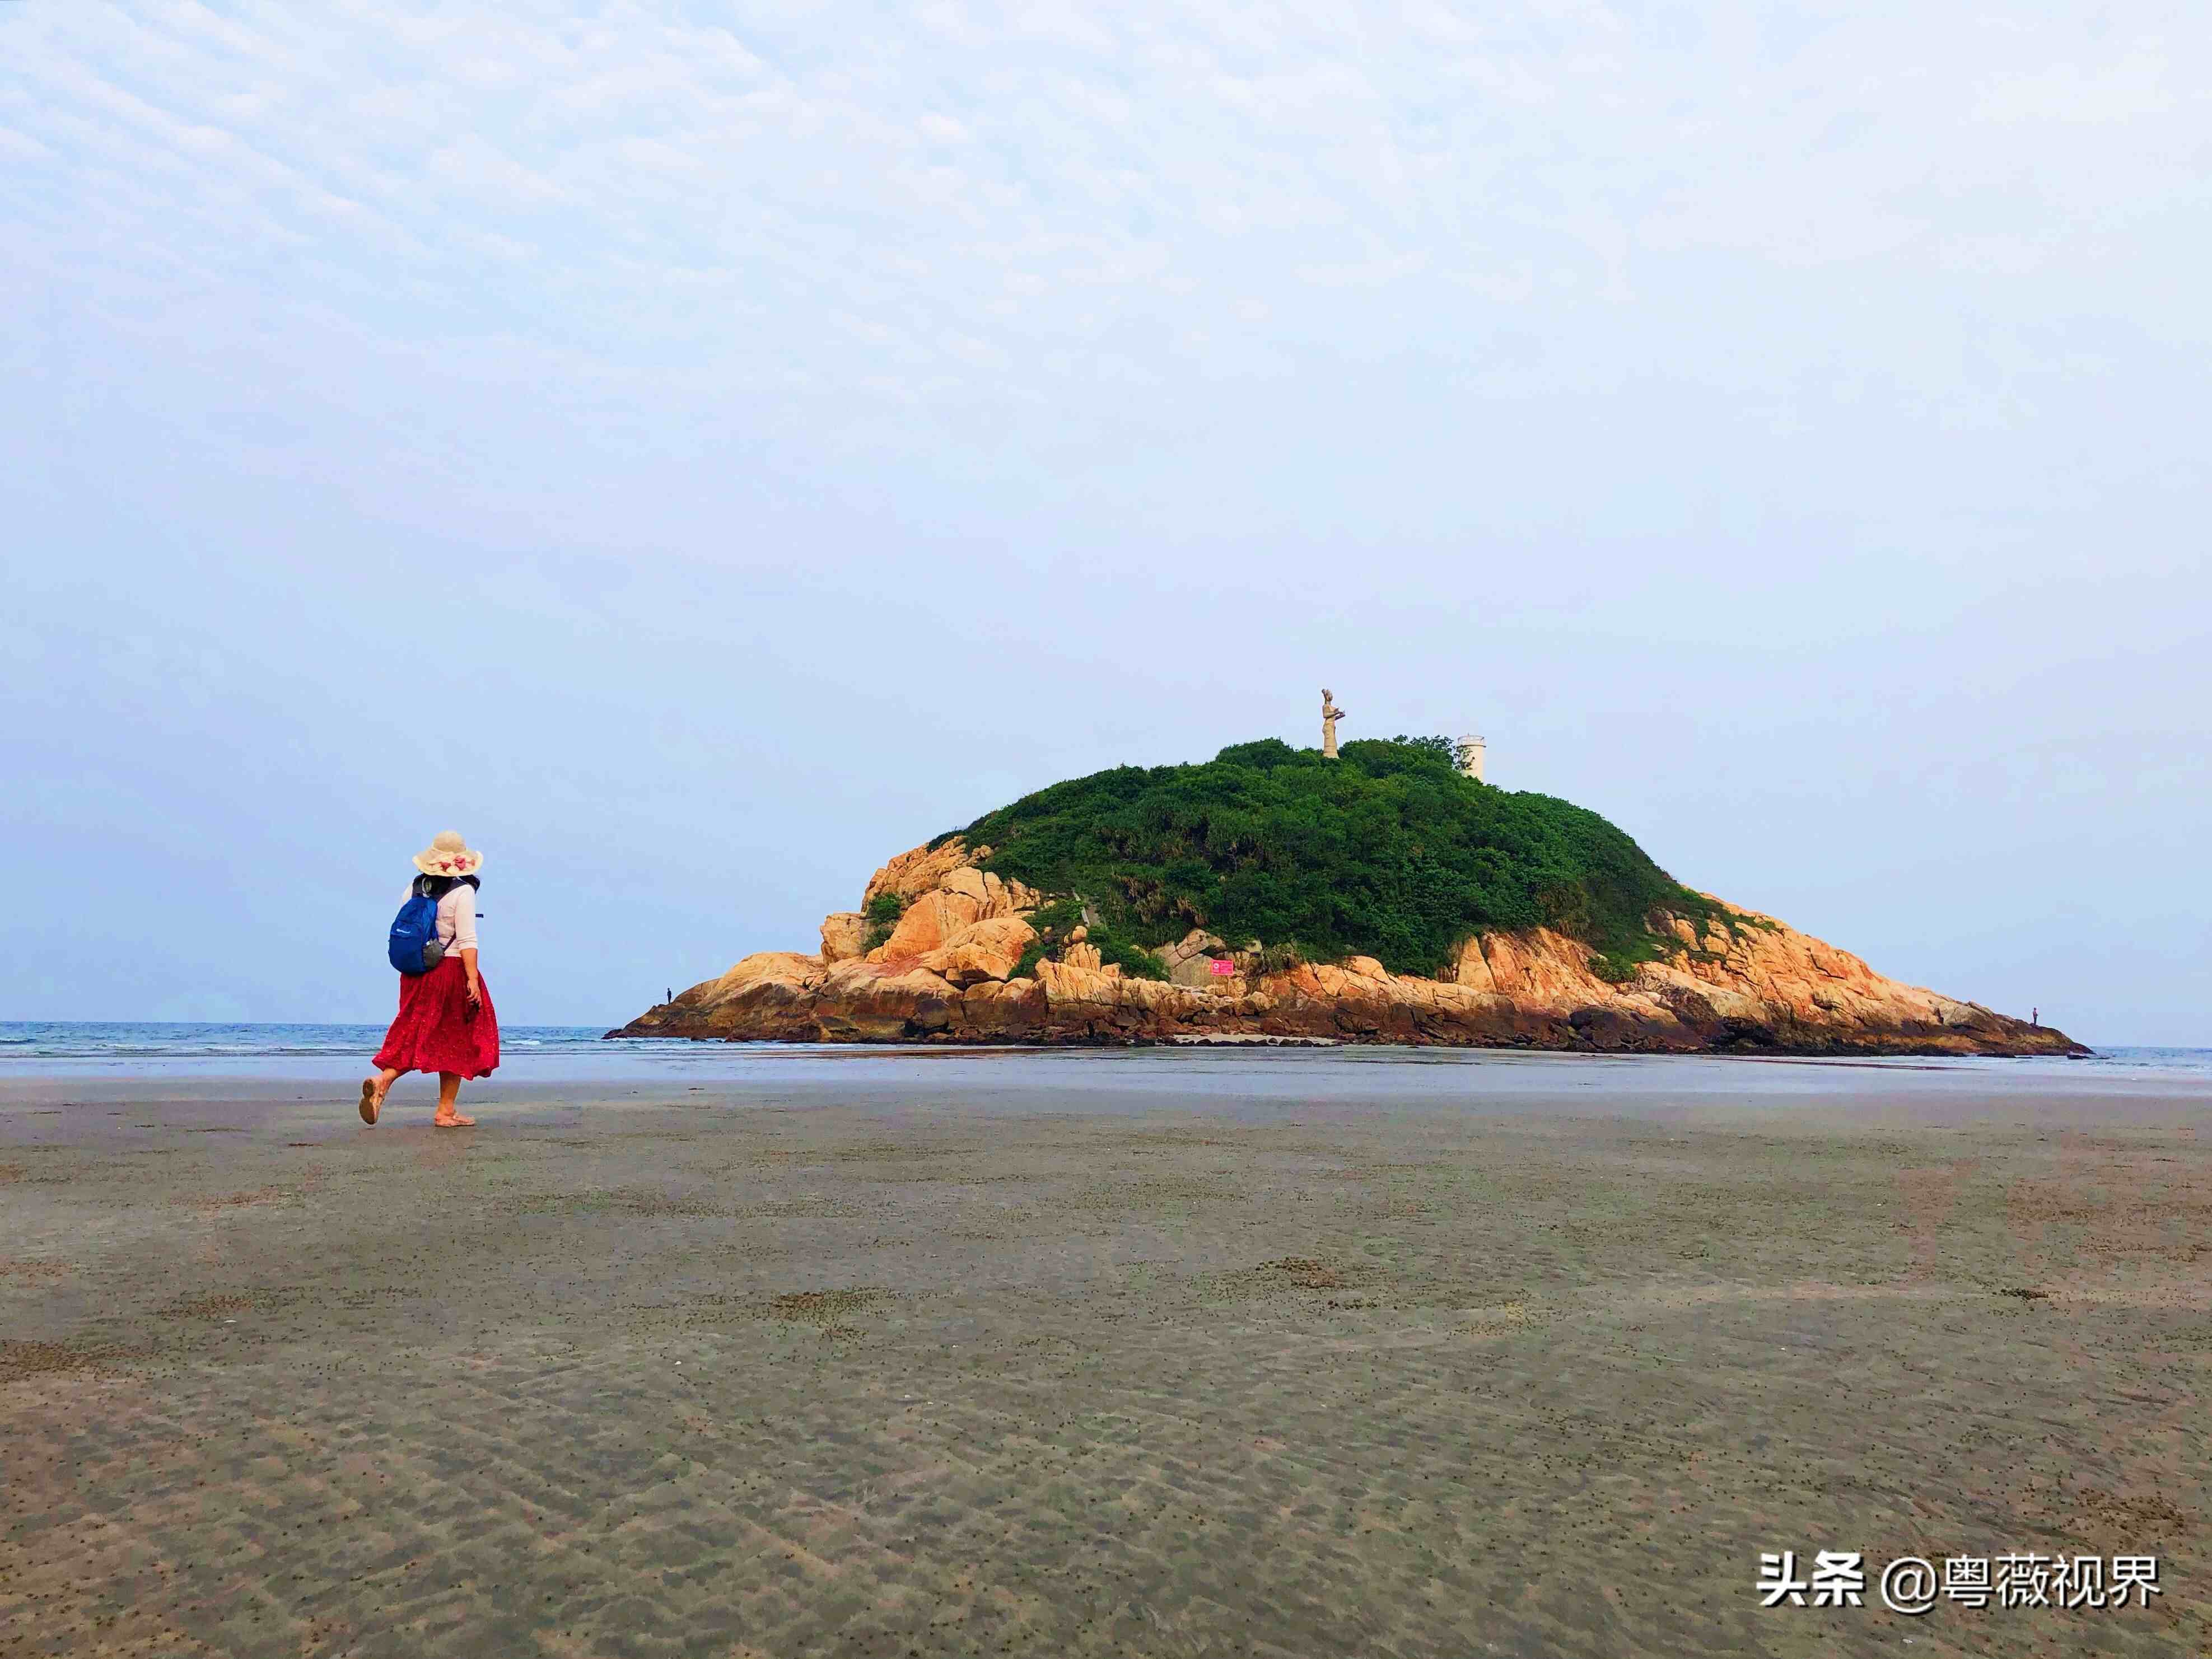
[446, 1021]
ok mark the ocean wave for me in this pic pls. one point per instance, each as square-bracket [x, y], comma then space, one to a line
[154, 1047]
[25, 1041]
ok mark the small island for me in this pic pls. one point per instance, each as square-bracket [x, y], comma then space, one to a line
[1380, 893]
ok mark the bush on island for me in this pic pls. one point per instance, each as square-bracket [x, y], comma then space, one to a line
[1388, 852]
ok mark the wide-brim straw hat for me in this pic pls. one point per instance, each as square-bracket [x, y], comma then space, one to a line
[448, 855]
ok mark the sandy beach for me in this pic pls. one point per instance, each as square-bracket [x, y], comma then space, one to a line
[937, 1364]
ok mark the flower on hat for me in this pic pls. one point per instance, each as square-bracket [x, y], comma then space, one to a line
[448, 855]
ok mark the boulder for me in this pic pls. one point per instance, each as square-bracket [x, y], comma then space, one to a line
[931, 921]
[1002, 1009]
[981, 950]
[864, 1001]
[918, 871]
[769, 994]
[844, 935]
[1189, 961]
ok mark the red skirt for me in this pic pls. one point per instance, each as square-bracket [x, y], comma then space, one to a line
[437, 1030]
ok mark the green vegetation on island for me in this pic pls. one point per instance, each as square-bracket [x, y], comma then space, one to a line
[1057, 922]
[1388, 852]
[882, 915]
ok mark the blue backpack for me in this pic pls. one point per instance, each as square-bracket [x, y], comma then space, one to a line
[415, 946]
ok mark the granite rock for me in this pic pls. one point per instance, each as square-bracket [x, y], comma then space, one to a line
[1745, 983]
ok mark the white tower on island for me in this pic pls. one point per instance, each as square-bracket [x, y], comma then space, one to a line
[1470, 757]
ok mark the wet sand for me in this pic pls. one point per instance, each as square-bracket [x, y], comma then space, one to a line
[842, 1366]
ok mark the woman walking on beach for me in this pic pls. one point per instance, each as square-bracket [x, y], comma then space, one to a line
[446, 1021]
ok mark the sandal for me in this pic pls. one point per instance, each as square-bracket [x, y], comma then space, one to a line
[371, 1102]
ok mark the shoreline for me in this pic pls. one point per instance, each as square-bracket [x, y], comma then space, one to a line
[1231, 1039]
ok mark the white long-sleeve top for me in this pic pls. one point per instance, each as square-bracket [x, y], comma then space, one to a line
[457, 918]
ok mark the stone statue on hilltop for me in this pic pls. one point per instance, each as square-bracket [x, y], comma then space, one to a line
[1330, 714]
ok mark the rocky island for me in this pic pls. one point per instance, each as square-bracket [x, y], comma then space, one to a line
[1377, 895]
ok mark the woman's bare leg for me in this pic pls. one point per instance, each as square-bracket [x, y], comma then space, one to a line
[449, 1094]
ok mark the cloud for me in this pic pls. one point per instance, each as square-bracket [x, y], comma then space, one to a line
[2127, 90]
[959, 201]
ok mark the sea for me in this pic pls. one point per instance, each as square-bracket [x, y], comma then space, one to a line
[561, 1054]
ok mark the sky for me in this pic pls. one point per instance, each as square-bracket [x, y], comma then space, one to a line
[699, 450]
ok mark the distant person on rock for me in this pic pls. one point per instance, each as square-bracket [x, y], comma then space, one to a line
[445, 1023]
